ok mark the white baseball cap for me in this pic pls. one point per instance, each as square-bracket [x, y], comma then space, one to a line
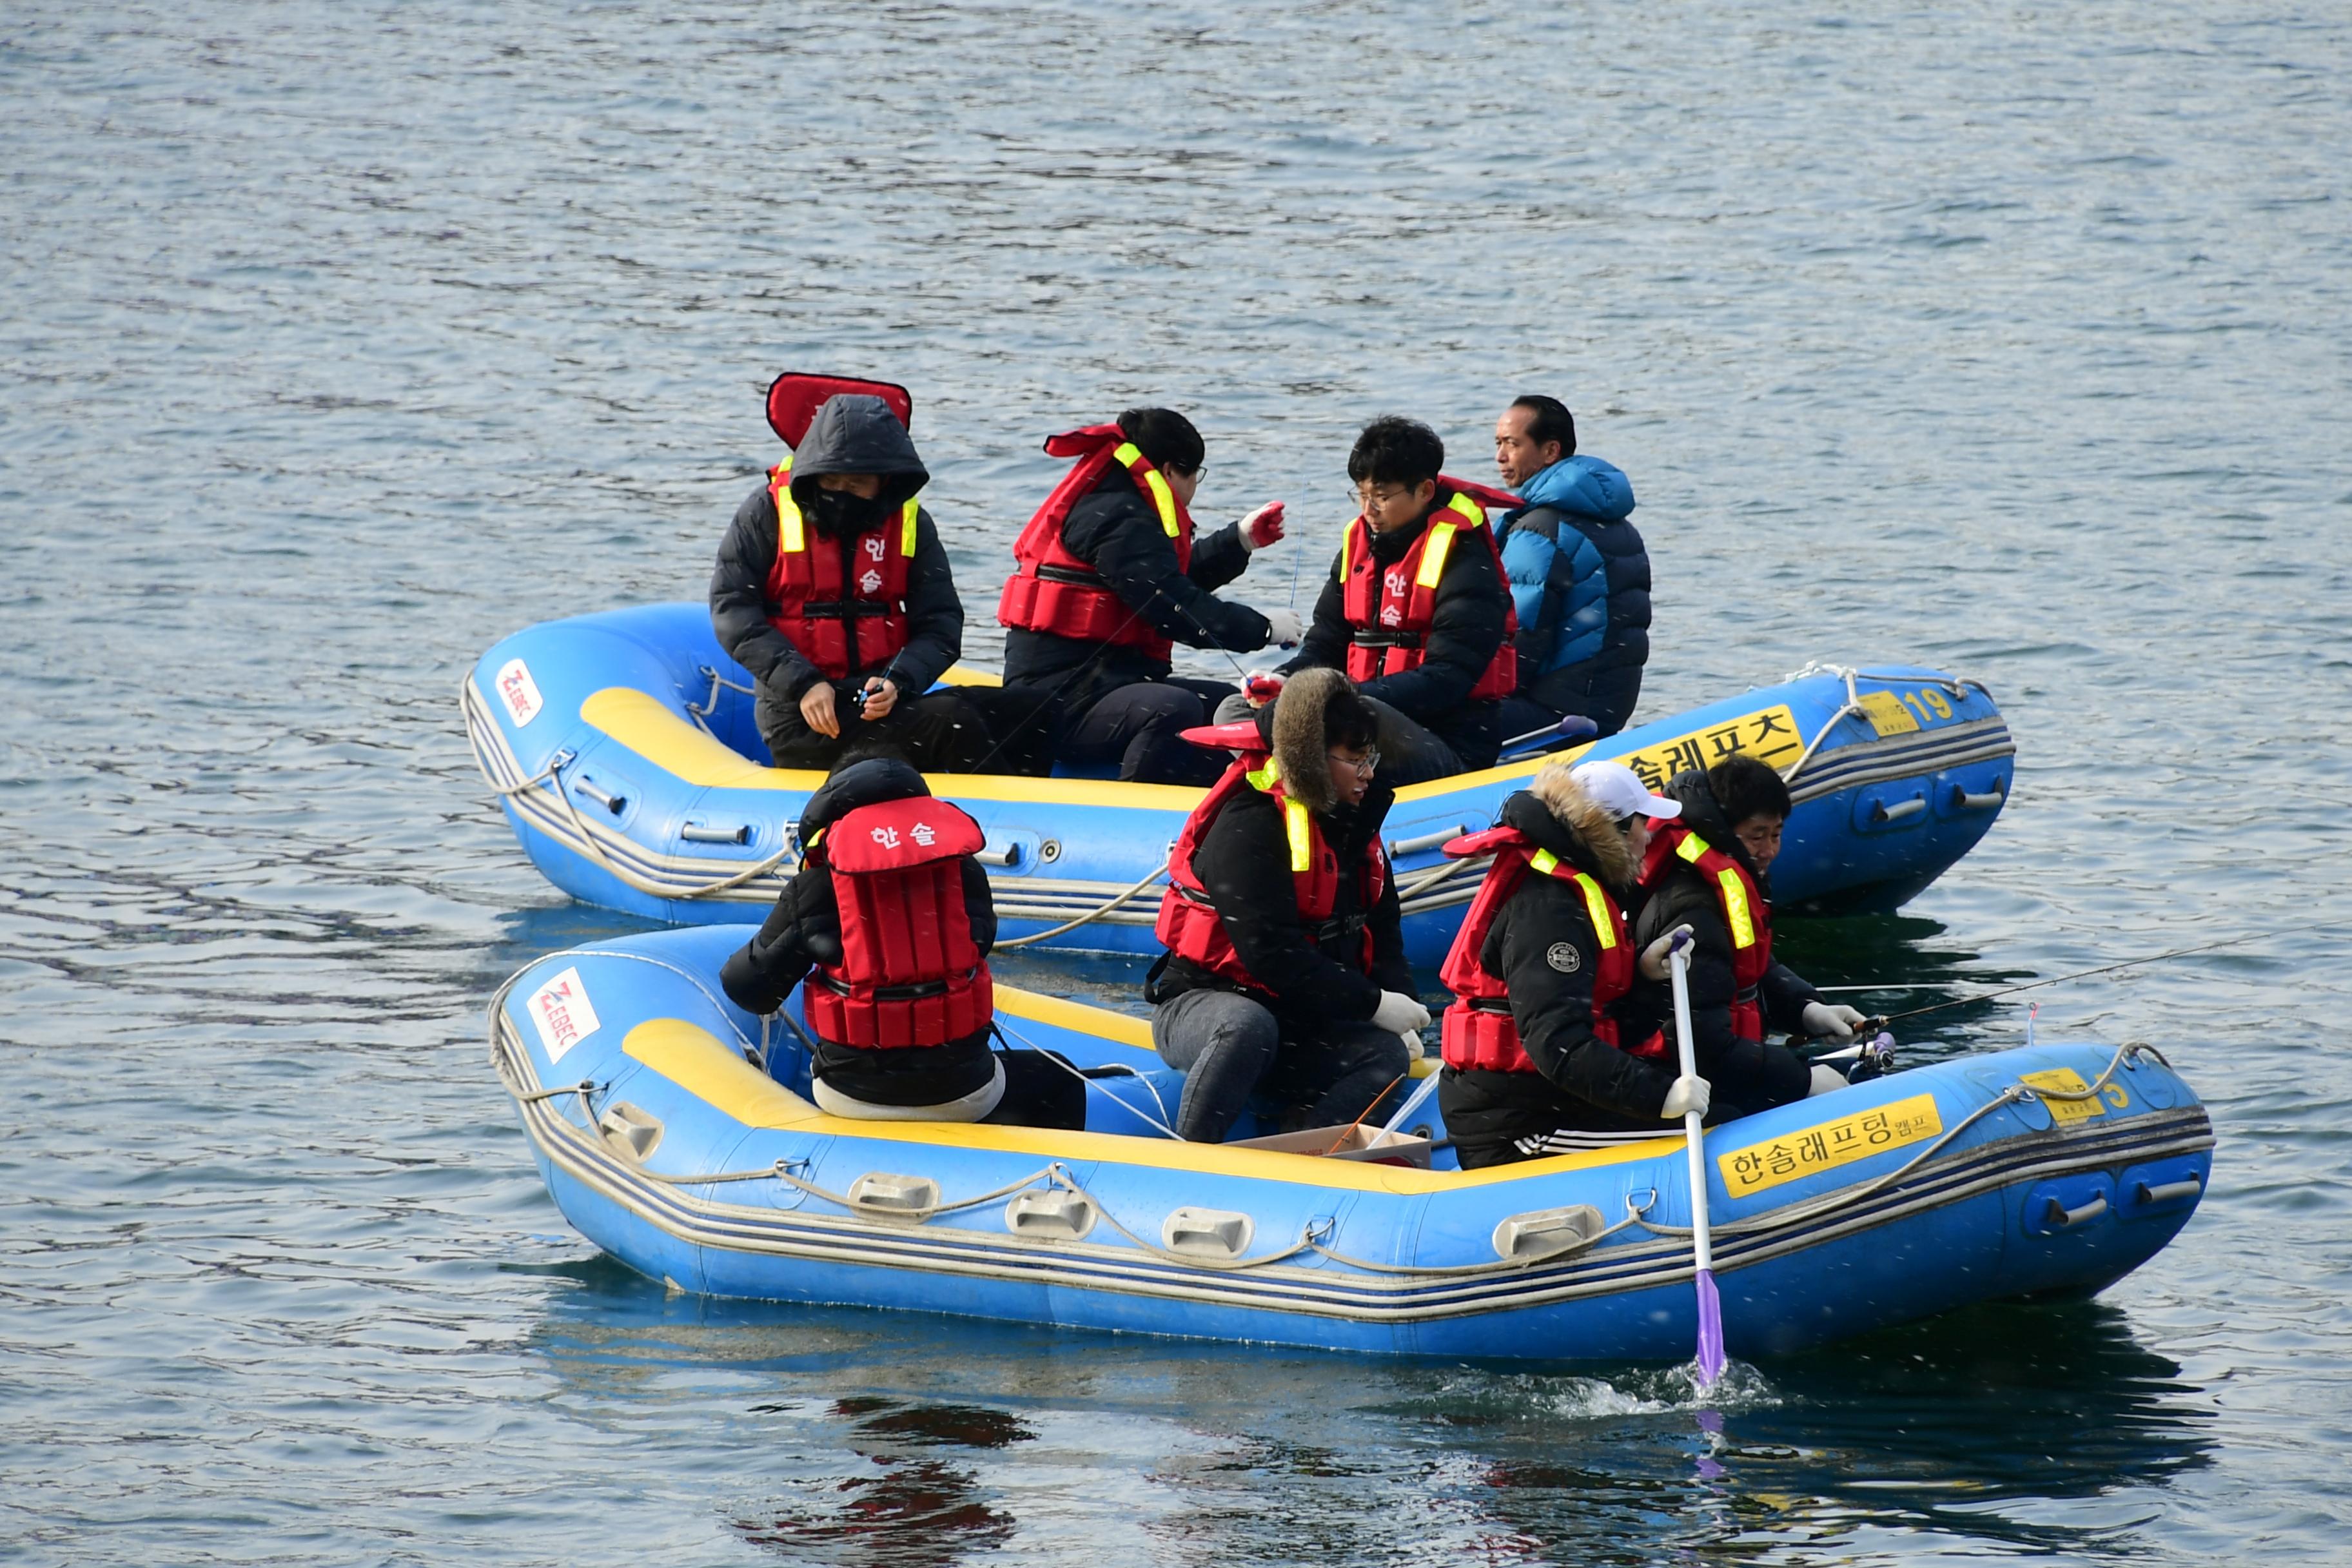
[1620, 791]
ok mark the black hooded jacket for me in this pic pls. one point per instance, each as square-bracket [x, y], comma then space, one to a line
[1243, 862]
[1466, 629]
[805, 929]
[1685, 897]
[1543, 947]
[1114, 530]
[852, 433]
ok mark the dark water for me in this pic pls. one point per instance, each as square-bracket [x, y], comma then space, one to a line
[338, 341]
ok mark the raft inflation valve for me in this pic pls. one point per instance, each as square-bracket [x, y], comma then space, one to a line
[1207, 1233]
[1543, 1232]
[1993, 797]
[616, 803]
[632, 1131]
[2058, 1216]
[880, 1193]
[1057, 1215]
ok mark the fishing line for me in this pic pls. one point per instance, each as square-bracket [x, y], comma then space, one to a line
[1887, 1018]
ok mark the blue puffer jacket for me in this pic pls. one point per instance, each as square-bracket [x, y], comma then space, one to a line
[1580, 578]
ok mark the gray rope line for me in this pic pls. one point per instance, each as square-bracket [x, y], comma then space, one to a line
[1827, 1203]
[1093, 914]
[1162, 1123]
[1634, 1213]
[710, 704]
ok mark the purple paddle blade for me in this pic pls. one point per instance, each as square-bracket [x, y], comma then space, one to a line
[1711, 1359]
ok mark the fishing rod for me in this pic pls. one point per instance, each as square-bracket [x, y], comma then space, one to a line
[1885, 1018]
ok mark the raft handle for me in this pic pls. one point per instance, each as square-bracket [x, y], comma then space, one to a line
[2169, 1191]
[895, 1197]
[1060, 1214]
[1207, 1233]
[630, 1130]
[2058, 1216]
[616, 803]
[1421, 841]
[1965, 801]
[1901, 811]
[1543, 1232]
[694, 833]
[1007, 854]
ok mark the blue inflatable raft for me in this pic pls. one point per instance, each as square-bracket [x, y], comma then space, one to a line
[623, 748]
[675, 1131]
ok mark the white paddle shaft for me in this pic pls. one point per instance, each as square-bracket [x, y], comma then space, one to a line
[1693, 1135]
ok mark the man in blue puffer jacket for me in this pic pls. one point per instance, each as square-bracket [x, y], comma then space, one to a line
[1579, 574]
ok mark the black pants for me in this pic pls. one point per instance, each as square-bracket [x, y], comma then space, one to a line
[1040, 1088]
[933, 732]
[1137, 727]
[1496, 1118]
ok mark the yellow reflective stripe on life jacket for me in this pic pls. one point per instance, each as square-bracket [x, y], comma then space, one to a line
[1295, 825]
[1163, 500]
[790, 539]
[1735, 891]
[1441, 540]
[1596, 902]
[907, 528]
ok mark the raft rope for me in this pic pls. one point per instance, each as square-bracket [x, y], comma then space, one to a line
[1097, 913]
[552, 775]
[1830, 1203]
[710, 705]
[1956, 685]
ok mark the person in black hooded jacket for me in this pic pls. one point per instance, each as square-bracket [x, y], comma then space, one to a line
[1738, 807]
[1575, 1088]
[961, 1079]
[1313, 1023]
[851, 477]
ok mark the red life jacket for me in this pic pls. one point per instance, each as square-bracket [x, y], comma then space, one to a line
[1189, 922]
[910, 974]
[1390, 611]
[843, 603]
[1745, 914]
[1480, 1033]
[1054, 590]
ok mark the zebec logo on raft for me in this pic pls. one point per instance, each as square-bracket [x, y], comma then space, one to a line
[519, 691]
[562, 1013]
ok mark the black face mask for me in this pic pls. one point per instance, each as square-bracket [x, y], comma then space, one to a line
[838, 512]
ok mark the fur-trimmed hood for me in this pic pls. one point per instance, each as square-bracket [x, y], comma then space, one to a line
[1296, 735]
[1555, 812]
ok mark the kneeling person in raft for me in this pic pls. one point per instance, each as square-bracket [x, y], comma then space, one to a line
[1286, 982]
[1540, 1057]
[901, 1027]
[1708, 867]
[832, 590]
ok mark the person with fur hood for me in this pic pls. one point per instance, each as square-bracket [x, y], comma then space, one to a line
[1286, 981]
[1708, 871]
[1539, 1057]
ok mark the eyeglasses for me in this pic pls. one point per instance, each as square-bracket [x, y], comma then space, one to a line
[1182, 472]
[1366, 765]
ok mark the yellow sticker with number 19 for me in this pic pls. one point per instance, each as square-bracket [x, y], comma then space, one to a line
[1887, 714]
[2067, 1080]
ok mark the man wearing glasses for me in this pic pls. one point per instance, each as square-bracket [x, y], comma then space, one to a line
[1109, 578]
[1416, 612]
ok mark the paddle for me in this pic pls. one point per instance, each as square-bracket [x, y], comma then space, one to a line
[1574, 727]
[1710, 1306]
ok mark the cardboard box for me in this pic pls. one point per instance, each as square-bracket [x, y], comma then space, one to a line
[1346, 1144]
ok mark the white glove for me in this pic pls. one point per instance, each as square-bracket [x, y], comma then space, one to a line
[1282, 628]
[1399, 1014]
[1413, 1049]
[1262, 527]
[1831, 1021]
[1687, 1095]
[1825, 1080]
[1653, 957]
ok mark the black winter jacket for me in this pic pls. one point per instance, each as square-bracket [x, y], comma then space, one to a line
[1466, 629]
[1685, 896]
[851, 435]
[803, 930]
[1115, 530]
[1242, 860]
[1584, 1081]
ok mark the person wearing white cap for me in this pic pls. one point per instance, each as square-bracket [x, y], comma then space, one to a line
[1706, 872]
[1540, 1057]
